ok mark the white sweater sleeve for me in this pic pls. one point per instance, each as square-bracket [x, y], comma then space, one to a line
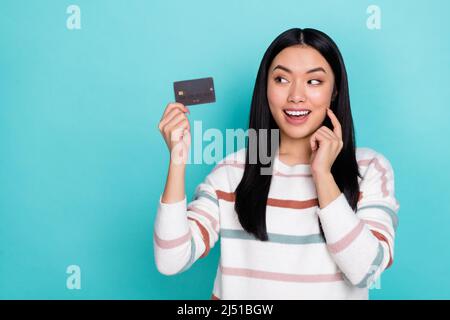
[183, 232]
[362, 244]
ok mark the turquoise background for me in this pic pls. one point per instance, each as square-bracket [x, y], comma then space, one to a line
[82, 162]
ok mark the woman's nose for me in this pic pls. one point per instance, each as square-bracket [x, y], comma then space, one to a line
[296, 93]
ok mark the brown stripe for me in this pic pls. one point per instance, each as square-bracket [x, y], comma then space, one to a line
[227, 196]
[381, 237]
[205, 237]
[292, 204]
[214, 297]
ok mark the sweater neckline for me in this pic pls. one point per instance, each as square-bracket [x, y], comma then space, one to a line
[286, 168]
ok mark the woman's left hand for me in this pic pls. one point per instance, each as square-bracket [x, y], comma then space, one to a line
[325, 146]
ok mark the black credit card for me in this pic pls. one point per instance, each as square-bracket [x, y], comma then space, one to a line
[196, 91]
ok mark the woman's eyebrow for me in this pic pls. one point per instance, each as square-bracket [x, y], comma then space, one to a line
[282, 68]
[316, 69]
[289, 71]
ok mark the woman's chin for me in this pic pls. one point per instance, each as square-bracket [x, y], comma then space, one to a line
[296, 133]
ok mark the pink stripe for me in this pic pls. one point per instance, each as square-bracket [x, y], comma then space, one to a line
[347, 240]
[379, 226]
[258, 274]
[205, 214]
[366, 162]
[169, 244]
[294, 175]
[380, 168]
[237, 164]
[229, 163]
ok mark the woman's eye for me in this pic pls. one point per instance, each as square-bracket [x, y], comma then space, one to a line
[315, 82]
[279, 79]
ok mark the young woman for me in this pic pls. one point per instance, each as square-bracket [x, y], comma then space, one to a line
[321, 224]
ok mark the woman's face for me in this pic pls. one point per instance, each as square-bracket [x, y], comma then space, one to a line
[299, 78]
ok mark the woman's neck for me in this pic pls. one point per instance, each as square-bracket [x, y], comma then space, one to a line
[295, 151]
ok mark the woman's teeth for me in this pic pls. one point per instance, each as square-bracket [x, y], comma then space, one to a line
[297, 113]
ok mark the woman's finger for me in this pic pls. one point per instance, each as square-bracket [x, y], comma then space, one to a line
[319, 138]
[173, 122]
[175, 105]
[315, 140]
[169, 116]
[171, 107]
[178, 130]
[337, 129]
[328, 132]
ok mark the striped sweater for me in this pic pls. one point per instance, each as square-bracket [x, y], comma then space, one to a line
[312, 253]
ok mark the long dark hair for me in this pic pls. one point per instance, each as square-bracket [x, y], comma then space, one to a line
[252, 191]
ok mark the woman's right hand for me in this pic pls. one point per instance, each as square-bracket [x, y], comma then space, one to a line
[175, 129]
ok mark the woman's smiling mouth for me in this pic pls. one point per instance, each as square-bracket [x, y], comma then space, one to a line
[296, 116]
